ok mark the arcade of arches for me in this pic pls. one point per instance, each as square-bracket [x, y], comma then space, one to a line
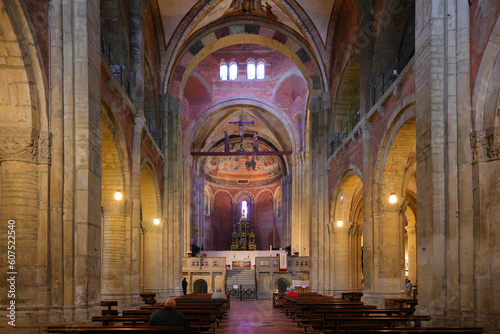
[386, 113]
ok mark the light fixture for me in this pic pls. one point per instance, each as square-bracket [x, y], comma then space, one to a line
[339, 223]
[156, 221]
[118, 195]
[392, 198]
[342, 198]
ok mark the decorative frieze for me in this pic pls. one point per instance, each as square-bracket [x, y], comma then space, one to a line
[18, 144]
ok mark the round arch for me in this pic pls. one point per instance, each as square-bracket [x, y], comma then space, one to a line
[233, 31]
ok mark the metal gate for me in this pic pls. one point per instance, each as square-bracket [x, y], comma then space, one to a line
[242, 293]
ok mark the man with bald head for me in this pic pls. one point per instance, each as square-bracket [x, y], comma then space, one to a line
[168, 316]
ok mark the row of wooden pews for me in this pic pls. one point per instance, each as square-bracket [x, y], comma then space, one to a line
[325, 314]
[202, 314]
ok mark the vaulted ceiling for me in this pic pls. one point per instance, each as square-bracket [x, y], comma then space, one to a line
[307, 17]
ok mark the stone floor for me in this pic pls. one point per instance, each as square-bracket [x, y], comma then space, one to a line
[256, 317]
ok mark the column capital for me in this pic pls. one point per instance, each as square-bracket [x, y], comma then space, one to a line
[114, 207]
[25, 144]
[148, 226]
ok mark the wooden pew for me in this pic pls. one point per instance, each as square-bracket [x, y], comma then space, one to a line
[197, 319]
[336, 323]
[430, 330]
[108, 329]
[109, 304]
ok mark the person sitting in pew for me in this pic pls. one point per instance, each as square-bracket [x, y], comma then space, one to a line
[169, 316]
[292, 292]
[218, 294]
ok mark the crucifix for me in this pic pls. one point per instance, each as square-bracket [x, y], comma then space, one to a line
[240, 124]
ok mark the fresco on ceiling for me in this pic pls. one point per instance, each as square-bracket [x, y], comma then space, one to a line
[255, 7]
[243, 167]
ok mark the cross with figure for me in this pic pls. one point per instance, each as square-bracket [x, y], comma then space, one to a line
[240, 124]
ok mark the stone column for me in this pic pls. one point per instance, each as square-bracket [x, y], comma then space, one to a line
[85, 61]
[173, 176]
[412, 253]
[151, 255]
[296, 201]
[389, 245]
[187, 205]
[341, 253]
[19, 205]
[317, 214]
[445, 238]
[113, 250]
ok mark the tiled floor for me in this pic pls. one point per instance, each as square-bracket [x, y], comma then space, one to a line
[256, 317]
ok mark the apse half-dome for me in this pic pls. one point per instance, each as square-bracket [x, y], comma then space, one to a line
[251, 170]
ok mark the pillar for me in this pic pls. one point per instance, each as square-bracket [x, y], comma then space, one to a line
[113, 250]
[173, 176]
[341, 253]
[412, 253]
[445, 230]
[151, 233]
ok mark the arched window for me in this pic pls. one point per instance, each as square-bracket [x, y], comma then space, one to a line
[244, 209]
[223, 71]
[233, 71]
[251, 70]
[261, 70]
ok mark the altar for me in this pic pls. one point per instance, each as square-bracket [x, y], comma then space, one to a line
[242, 256]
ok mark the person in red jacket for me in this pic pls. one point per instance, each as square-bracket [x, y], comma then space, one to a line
[292, 292]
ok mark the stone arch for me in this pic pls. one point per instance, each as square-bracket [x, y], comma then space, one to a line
[150, 240]
[150, 196]
[200, 286]
[265, 230]
[346, 102]
[218, 231]
[393, 155]
[216, 36]
[388, 218]
[281, 284]
[348, 236]
[487, 85]
[290, 137]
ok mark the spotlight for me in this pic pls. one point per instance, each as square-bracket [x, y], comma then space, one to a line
[392, 198]
[118, 195]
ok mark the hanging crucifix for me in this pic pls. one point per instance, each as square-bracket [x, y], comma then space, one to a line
[241, 124]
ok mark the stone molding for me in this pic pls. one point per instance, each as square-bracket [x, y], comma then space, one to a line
[24, 144]
[485, 144]
[150, 227]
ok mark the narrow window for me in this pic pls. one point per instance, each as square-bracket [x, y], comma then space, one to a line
[251, 70]
[233, 71]
[223, 71]
[244, 209]
[261, 70]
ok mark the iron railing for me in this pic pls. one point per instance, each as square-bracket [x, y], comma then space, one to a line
[242, 293]
[118, 70]
[156, 134]
[338, 137]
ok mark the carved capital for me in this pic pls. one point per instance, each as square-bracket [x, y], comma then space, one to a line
[19, 144]
[114, 208]
[150, 227]
[44, 147]
[478, 146]
[493, 142]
